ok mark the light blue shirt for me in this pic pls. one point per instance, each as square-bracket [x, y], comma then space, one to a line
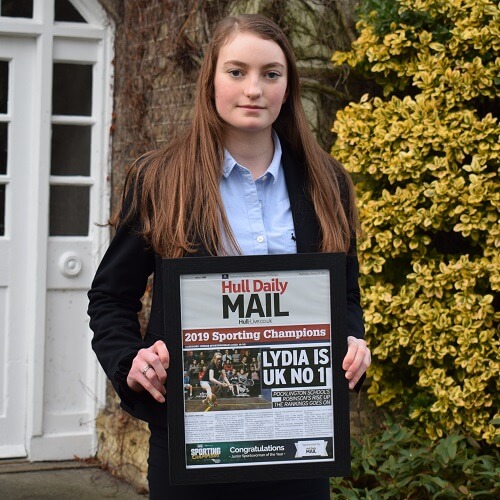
[258, 211]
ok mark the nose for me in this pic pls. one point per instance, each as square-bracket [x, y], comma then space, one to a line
[253, 89]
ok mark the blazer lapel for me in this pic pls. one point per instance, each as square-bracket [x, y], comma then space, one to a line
[307, 230]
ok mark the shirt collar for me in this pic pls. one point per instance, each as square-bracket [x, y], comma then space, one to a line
[274, 166]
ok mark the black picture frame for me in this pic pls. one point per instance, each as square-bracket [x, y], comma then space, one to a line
[172, 271]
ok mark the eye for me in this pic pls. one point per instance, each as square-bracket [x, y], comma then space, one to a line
[273, 75]
[235, 72]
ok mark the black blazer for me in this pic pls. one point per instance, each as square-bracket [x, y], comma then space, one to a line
[122, 277]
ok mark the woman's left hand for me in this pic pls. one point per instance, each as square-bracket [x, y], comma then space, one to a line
[356, 361]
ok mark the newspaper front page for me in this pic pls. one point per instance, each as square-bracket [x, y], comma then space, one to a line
[257, 368]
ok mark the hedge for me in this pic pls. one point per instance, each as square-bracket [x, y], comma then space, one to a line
[425, 154]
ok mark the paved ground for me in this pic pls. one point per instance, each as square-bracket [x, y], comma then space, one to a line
[21, 480]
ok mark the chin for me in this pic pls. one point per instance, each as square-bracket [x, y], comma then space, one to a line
[252, 127]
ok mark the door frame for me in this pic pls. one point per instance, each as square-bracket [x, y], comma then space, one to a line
[99, 29]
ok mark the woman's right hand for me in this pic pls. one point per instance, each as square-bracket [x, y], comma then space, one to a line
[149, 371]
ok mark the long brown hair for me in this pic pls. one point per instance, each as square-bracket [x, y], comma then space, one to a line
[174, 191]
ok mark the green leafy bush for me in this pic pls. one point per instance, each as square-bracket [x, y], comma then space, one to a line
[394, 463]
[425, 154]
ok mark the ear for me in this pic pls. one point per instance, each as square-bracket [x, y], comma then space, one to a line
[285, 96]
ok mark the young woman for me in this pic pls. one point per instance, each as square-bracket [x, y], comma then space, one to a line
[247, 177]
[214, 378]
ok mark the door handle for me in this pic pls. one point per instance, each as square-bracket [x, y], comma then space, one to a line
[70, 264]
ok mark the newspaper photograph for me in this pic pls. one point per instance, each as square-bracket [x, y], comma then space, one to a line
[257, 363]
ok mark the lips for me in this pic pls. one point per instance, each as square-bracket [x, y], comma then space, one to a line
[249, 106]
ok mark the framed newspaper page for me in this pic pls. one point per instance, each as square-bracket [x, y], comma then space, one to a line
[255, 386]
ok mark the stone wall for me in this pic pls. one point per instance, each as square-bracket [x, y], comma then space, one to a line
[158, 48]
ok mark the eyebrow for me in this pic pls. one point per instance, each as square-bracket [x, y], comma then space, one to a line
[245, 65]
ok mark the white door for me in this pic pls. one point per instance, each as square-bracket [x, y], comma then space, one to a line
[69, 397]
[55, 60]
[16, 135]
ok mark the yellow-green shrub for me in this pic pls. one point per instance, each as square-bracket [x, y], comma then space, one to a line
[425, 154]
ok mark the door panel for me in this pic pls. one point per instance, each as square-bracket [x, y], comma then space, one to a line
[69, 399]
[67, 392]
[15, 182]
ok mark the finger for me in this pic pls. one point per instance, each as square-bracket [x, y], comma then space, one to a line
[147, 372]
[138, 381]
[150, 357]
[361, 370]
[153, 385]
[158, 357]
[161, 350]
[356, 352]
[352, 349]
[157, 375]
[356, 365]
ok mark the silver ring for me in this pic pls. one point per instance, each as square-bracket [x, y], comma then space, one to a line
[146, 368]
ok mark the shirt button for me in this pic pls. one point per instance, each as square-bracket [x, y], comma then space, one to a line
[264, 177]
[260, 239]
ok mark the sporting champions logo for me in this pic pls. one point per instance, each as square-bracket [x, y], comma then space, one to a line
[202, 453]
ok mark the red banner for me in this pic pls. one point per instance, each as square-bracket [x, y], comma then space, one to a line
[204, 337]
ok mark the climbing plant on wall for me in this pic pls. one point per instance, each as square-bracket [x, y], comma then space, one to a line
[425, 152]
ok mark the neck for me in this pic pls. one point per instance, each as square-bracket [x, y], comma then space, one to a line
[253, 151]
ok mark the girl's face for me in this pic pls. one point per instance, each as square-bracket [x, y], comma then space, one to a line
[250, 83]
